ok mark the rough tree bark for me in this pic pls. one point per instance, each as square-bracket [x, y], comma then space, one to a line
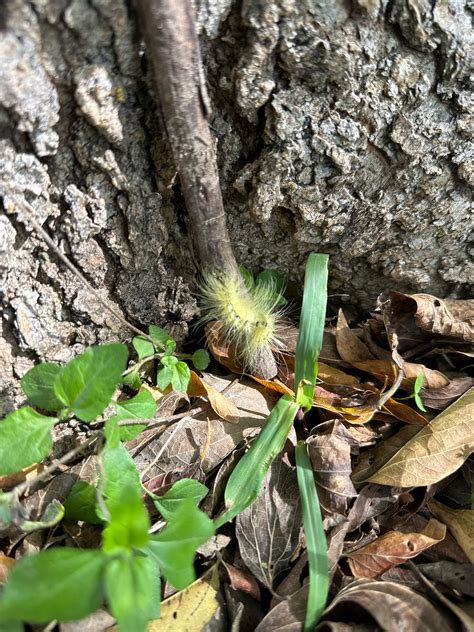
[341, 126]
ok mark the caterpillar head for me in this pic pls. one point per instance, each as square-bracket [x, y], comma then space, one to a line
[249, 320]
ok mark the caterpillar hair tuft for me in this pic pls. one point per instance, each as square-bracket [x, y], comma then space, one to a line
[249, 317]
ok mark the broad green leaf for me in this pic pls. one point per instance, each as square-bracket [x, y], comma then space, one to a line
[247, 276]
[201, 359]
[130, 589]
[186, 488]
[436, 451]
[8, 504]
[80, 504]
[11, 626]
[315, 539]
[59, 583]
[164, 377]
[169, 361]
[25, 438]
[132, 379]
[38, 386]
[129, 521]
[272, 278]
[143, 347]
[161, 338]
[310, 338]
[86, 384]
[176, 545]
[416, 391]
[118, 470]
[247, 477]
[142, 406]
[181, 377]
[53, 514]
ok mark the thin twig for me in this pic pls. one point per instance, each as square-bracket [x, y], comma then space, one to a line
[64, 460]
[30, 214]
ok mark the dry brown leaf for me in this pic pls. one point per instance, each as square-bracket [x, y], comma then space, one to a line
[330, 455]
[274, 385]
[6, 564]
[185, 438]
[394, 608]
[241, 579]
[441, 398]
[219, 350]
[220, 404]
[387, 370]
[330, 375]
[405, 413]
[435, 451]
[288, 615]
[393, 548]
[460, 522]
[350, 347]
[445, 317]
[457, 576]
[268, 530]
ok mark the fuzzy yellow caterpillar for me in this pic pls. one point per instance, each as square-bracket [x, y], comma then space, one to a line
[249, 320]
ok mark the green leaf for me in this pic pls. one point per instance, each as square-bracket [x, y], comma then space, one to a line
[59, 583]
[172, 500]
[130, 584]
[53, 514]
[143, 347]
[80, 504]
[272, 278]
[419, 403]
[118, 469]
[201, 359]
[416, 391]
[162, 339]
[169, 361]
[142, 406]
[164, 376]
[310, 338]
[25, 438]
[11, 626]
[176, 545]
[181, 377]
[129, 521]
[38, 386]
[247, 477]
[132, 379]
[315, 539]
[86, 384]
[247, 276]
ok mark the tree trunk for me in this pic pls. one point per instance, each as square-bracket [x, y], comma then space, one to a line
[340, 127]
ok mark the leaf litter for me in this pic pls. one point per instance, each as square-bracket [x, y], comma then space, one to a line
[391, 480]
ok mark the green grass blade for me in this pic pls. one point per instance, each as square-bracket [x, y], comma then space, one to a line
[310, 338]
[247, 477]
[315, 538]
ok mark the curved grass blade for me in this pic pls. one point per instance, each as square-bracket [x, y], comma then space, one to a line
[315, 537]
[247, 477]
[312, 319]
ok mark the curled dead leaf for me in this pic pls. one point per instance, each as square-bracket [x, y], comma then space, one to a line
[220, 404]
[460, 522]
[393, 548]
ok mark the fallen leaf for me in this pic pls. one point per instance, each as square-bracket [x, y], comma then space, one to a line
[241, 579]
[288, 615]
[441, 398]
[6, 563]
[435, 451]
[457, 576]
[179, 445]
[191, 609]
[330, 455]
[350, 347]
[268, 531]
[221, 405]
[393, 607]
[460, 522]
[387, 370]
[393, 548]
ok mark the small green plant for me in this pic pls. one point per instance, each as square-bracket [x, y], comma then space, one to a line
[246, 479]
[68, 584]
[417, 386]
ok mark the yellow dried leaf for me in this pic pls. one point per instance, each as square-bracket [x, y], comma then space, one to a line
[435, 452]
[460, 522]
[220, 404]
[191, 609]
